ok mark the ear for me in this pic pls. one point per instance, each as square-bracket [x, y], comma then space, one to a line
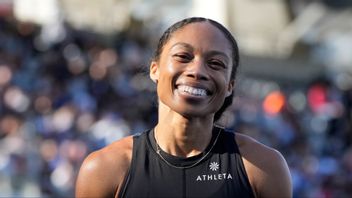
[230, 87]
[154, 71]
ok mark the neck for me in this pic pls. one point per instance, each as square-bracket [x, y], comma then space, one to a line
[181, 136]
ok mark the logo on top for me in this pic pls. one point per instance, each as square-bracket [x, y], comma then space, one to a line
[214, 166]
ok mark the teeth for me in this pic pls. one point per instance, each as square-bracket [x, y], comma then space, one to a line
[192, 90]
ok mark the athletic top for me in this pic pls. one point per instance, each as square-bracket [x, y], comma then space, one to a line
[217, 172]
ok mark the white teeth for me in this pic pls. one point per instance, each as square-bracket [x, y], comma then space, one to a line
[192, 90]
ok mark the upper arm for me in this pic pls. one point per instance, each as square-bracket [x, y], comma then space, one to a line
[267, 170]
[274, 177]
[103, 171]
[93, 179]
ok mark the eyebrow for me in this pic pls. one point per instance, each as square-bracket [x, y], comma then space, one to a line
[186, 45]
[212, 52]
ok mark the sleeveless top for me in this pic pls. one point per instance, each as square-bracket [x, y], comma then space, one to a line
[220, 173]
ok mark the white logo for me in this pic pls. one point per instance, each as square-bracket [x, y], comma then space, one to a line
[214, 166]
[214, 177]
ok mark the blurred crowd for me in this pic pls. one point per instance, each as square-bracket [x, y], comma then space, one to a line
[62, 100]
[310, 126]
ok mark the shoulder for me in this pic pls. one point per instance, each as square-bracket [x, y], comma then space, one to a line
[266, 168]
[103, 171]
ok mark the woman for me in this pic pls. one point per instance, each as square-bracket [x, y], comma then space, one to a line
[186, 154]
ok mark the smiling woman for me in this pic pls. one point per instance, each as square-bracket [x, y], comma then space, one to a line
[186, 154]
[192, 63]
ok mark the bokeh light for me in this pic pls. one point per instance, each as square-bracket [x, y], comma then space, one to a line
[16, 99]
[274, 102]
[5, 75]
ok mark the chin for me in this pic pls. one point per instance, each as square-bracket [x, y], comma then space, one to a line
[191, 110]
[195, 113]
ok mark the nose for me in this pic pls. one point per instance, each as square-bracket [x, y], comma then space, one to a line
[197, 70]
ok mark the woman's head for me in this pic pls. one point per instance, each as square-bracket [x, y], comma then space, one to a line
[217, 39]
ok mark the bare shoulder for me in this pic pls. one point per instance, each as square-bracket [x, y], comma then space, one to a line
[266, 168]
[103, 171]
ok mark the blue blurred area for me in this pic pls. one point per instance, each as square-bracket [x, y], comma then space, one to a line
[63, 100]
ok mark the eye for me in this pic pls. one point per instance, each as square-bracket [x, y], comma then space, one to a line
[216, 64]
[183, 57]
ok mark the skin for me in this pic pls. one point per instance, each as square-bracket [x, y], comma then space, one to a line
[198, 55]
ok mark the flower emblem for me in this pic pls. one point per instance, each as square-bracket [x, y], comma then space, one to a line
[214, 166]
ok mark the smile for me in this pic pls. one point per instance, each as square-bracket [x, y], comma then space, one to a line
[192, 90]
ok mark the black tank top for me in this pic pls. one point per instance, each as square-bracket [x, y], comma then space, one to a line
[220, 173]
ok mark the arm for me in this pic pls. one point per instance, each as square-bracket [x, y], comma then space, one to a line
[273, 178]
[103, 171]
[266, 168]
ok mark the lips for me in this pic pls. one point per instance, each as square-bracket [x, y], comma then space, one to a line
[193, 90]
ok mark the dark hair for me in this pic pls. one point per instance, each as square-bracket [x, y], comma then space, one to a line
[235, 54]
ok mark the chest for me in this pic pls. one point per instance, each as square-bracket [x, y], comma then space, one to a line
[215, 176]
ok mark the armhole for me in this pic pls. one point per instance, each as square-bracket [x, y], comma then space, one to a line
[127, 177]
[243, 168]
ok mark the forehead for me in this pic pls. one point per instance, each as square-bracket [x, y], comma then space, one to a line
[203, 35]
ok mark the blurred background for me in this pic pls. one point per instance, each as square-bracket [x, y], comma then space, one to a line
[74, 78]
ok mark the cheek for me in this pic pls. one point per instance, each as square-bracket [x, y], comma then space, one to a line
[168, 72]
[171, 68]
[166, 76]
[223, 81]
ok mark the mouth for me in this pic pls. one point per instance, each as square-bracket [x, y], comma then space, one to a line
[193, 91]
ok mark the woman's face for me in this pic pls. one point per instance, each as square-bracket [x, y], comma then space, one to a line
[193, 71]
